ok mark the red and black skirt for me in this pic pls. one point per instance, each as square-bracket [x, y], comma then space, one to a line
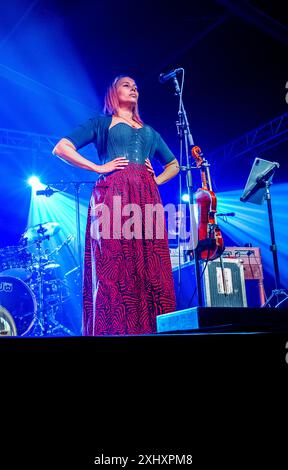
[127, 268]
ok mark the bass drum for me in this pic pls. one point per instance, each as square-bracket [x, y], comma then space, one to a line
[7, 324]
[18, 299]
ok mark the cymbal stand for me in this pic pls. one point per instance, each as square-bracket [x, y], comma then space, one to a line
[39, 327]
[53, 325]
[76, 185]
[56, 250]
[45, 323]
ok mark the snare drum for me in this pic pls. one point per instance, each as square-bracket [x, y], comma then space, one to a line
[20, 302]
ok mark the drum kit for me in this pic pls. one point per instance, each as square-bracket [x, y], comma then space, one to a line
[32, 292]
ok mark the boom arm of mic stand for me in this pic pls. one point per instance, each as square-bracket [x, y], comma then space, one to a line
[76, 185]
[183, 112]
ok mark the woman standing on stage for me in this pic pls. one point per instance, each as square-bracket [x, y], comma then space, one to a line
[127, 269]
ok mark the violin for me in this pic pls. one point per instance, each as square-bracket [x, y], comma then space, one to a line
[210, 241]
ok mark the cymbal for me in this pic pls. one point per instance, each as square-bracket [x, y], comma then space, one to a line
[51, 266]
[46, 266]
[41, 231]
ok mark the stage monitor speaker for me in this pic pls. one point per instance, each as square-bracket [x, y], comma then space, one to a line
[223, 319]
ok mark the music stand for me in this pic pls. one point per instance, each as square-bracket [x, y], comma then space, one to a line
[256, 191]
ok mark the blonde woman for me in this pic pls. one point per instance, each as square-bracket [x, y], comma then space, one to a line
[127, 269]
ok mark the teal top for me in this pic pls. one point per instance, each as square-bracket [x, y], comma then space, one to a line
[121, 140]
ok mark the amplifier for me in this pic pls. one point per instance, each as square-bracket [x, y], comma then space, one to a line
[253, 271]
[224, 284]
[251, 259]
[221, 288]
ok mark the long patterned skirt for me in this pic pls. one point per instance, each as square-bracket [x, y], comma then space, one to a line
[127, 268]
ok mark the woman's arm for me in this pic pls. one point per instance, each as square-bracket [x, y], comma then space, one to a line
[66, 151]
[167, 159]
[170, 170]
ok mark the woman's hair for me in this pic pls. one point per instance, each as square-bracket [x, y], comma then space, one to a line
[111, 102]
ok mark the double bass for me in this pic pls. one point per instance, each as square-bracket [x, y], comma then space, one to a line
[210, 241]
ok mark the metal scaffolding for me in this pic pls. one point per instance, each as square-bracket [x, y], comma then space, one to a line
[28, 141]
[260, 139]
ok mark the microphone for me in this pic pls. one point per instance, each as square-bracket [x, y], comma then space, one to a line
[226, 214]
[163, 77]
[46, 192]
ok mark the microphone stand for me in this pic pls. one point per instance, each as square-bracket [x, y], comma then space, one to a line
[76, 185]
[185, 135]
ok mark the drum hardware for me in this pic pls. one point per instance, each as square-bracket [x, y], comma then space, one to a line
[66, 242]
[33, 238]
[73, 279]
[51, 263]
[49, 294]
[44, 259]
[72, 271]
[63, 186]
[53, 292]
[51, 297]
[31, 293]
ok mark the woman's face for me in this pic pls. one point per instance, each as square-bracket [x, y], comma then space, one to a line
[127, 91]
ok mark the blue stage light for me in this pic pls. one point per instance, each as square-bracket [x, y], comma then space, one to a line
[185, 198]
[34, 182]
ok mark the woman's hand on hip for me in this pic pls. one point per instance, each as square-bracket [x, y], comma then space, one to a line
[150, 169]
[118, 163]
